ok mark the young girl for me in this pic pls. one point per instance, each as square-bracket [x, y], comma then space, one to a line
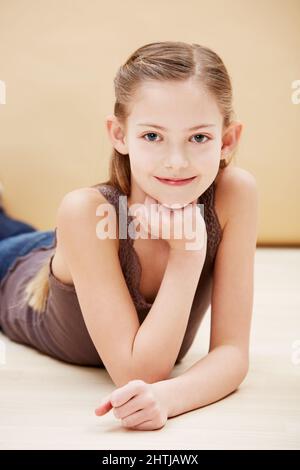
[134, 305]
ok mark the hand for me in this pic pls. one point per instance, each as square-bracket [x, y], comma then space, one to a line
[138, 404]
[162, 222]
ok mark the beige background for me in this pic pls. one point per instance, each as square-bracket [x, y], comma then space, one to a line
[58, 59]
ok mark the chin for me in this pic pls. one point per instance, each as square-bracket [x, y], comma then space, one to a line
[175, 205]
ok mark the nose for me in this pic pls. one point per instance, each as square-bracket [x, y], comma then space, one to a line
[176, 161]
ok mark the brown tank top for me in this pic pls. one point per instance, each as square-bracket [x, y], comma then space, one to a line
[60, 331]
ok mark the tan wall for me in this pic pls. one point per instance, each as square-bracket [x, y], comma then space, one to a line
[58, 59]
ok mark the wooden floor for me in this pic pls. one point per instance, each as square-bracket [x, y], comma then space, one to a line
[46, 404]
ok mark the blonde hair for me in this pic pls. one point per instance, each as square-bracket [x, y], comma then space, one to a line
[159, 61]
[37, 290]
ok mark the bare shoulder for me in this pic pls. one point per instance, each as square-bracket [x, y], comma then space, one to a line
[80, 206]
[77, 209]
[84, 196]
[235, 188]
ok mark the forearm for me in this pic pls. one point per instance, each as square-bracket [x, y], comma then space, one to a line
[211, 378]
[159, 338]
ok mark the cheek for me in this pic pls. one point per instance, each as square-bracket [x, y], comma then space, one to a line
[142, 166]
[142, 162]
[210, 155]
[206, 162]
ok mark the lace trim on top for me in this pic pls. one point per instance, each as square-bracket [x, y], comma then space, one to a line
[129, 258]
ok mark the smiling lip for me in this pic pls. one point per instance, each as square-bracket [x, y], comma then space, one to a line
[175, 182]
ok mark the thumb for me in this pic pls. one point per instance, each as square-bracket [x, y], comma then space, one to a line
[104, 407]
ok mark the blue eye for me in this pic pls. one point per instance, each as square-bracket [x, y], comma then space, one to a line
[150, 133]
[155, 134]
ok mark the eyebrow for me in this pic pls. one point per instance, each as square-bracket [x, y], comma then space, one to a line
[165, 129]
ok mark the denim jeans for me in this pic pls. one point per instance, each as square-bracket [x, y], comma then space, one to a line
[17, 238]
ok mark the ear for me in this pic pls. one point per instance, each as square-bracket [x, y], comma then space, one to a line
[116, 134]
[231, 138]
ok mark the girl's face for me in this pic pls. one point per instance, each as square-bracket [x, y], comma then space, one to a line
[189, 145]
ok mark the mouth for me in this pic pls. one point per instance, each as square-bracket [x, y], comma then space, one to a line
[175, 182]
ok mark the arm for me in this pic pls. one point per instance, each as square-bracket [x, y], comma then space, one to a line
[210, 379]
[128, 350]
[227, 362]
[159, 338]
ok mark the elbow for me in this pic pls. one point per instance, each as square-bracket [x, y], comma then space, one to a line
[238, 371]
[149, 372]
[242, 366]
[139, 371]
[238, 377]
[243, 370]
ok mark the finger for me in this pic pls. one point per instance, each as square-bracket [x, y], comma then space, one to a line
[142, 222]
[150, 199]
[145, 426]
[150, 202]
[142, 210]
[119, 396]
[137, 418]
[104, 407]
[151, 207]
[122, 394]
[137, 403]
